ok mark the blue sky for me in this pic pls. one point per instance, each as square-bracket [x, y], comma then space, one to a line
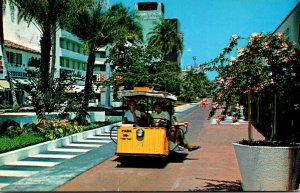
[208, 25]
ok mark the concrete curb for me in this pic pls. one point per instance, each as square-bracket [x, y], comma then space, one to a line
[25, 152]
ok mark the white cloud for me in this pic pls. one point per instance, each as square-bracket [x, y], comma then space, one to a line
[189, 50]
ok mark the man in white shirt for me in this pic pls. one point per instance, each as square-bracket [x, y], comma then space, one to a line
[132, 116]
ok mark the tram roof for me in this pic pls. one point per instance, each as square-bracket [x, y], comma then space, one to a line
[148, 93]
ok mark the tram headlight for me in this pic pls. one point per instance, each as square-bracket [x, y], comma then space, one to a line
[140, 133]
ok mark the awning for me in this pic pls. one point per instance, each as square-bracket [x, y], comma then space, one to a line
[4, 84]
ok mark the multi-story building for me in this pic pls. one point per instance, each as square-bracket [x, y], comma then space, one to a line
[23, 44]
[290, 26]
[19, 59]
[149, 14]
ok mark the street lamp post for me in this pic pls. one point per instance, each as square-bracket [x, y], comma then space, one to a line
[194, 58]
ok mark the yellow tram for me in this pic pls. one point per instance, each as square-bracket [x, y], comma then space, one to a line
[135, 140]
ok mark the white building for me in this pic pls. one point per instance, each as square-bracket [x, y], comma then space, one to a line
[290, 26]
[22, 42]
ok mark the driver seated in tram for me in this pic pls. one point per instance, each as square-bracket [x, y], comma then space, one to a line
[160, 117]
[132, 115]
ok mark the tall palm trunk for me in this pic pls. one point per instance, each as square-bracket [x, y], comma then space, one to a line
[53, 57]
[89, 79]
[14, 97]
[43, 86]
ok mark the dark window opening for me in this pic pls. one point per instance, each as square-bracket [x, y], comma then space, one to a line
[147, 6]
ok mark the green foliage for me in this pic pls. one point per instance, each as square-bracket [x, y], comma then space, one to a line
[81, 117]
[136, 69]
[43, 131]
[97, 29]
[53, 99]
[20, 141]
[165, 38]
[195, 84]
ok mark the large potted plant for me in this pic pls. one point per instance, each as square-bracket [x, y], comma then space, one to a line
[266, 72]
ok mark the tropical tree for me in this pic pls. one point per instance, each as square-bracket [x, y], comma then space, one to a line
[165, 76]
[165, 38]
[97, 29]
[46, 15]
[267, 66]
[195, 84]
[132, 71]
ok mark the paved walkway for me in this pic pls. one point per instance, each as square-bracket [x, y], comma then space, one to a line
[211, 168]
[216, 168]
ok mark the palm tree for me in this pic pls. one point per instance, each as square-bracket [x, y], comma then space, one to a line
[2, 12]
[165, 38]
[45, 15]
[97, 29]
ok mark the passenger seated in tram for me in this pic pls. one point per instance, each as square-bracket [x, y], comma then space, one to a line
[160, 117]
[145, 119]
[176, 134]
[132, 115]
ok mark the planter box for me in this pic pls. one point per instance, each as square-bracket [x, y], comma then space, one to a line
[265, 168]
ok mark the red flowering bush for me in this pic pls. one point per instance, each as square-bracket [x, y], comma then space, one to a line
[268, 64]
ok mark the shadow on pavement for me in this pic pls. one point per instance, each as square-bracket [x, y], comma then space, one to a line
[150, 162]
[219, 185]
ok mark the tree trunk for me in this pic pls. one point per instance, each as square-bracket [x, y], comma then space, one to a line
[5, 61]
[45, 59]
[89, 79]
[43, 86]
[53, 57]
[250, 138]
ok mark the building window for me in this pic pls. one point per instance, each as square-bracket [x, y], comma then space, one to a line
[14, 58]
[67, 63]
[102, 68]
[287, 33]
[62, 62]
[61, 41]
[147, 6]
[101, 54]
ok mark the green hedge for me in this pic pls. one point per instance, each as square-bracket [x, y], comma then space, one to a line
[9, 144]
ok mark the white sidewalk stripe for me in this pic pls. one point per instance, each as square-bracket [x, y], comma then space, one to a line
[33, 163]
[16, 173]
[54, 156]
[83, 145]
[70, 150]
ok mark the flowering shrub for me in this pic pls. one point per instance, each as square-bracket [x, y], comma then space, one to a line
[54, 128]
[268, 64]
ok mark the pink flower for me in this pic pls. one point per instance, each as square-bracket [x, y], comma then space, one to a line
[266, 45]
[286, 59]
[280, 35]
[277, 52]
[293, 52]
[220, 80]
[285, 45]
